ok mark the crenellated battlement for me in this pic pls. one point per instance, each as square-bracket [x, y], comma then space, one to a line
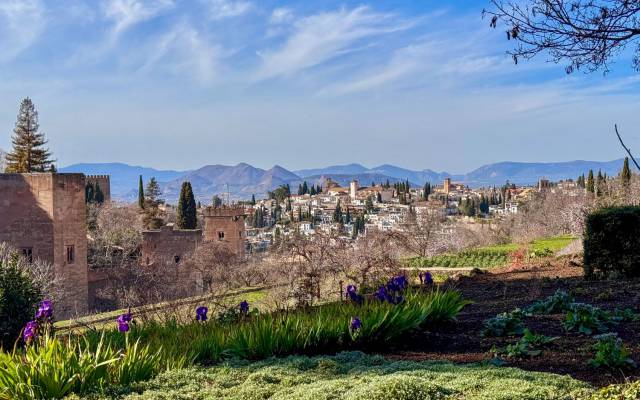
[224, 211]
[104, 181]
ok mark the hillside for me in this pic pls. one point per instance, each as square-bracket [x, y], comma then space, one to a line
[124, 177]
[244, 180]
[241, 181]
[530, 173]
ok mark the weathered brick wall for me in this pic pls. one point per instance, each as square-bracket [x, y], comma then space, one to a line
[46, 213]
[70, 229]
[226, 226]
[168, 250]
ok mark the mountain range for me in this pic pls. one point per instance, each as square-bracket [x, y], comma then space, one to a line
[243, 180]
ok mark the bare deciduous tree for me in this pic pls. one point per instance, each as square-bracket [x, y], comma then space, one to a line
[372, 258]
[586, 34]
[548, 214]
[420, 234]
[310, 263]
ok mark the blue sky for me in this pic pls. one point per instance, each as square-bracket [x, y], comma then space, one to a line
[180, 84]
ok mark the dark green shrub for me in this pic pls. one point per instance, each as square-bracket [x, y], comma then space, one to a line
[612, 242]
[19, 297]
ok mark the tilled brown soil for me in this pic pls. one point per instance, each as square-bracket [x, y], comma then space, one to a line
[503, 290]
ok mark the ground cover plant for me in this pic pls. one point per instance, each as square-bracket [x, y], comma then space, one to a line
[611, 352]
[493, 256]
[351, 376]
[543, 292]
[52, 366]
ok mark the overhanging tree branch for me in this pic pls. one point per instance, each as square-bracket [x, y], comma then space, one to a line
[628, 150]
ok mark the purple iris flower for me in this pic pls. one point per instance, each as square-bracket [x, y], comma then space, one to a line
[351, 289]
[45, 310]
[30, 331]
[123, 321]
[355, 324]
[201, 313]
[382, 294]
[353, 294]
[428, 279]
[398, 283]
[244, 307]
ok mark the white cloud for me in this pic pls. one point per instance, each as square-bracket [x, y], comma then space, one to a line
[21, 23]
[183, 50]
[281, 15]
[221, 9]
[127, 13]
[433, 62]
[321, 37]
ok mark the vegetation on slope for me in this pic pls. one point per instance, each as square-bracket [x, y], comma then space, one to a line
[493, 256]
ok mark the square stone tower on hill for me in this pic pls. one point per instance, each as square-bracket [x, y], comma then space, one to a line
[43, 215]
[225, 225]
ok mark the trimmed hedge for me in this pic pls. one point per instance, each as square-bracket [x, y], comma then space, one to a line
[612, 242]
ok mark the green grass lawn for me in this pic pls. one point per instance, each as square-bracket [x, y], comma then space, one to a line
[353, 376]
[490, 256]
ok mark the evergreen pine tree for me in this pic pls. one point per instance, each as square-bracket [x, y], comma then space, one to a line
[590, 186]
[625, 174]
[153, 216]
[140, 193]
[253, 199]
[300, 189]
[305, 188]
[186, 213]
[29, 153]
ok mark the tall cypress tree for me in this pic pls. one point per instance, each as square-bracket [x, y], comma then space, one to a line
[599, 183]
[29, 153]
[590, 186]
[625, 174]
[253, 199]
[186, 217]
[140, 193]
[337, 213]
[98, 196]
[89, 193]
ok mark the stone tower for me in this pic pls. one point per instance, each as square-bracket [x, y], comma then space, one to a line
[225, 225]
[104, 182]
[43, 215]
[447, 185]
[353, 189]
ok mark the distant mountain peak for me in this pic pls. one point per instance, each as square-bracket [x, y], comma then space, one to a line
[243, 180]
